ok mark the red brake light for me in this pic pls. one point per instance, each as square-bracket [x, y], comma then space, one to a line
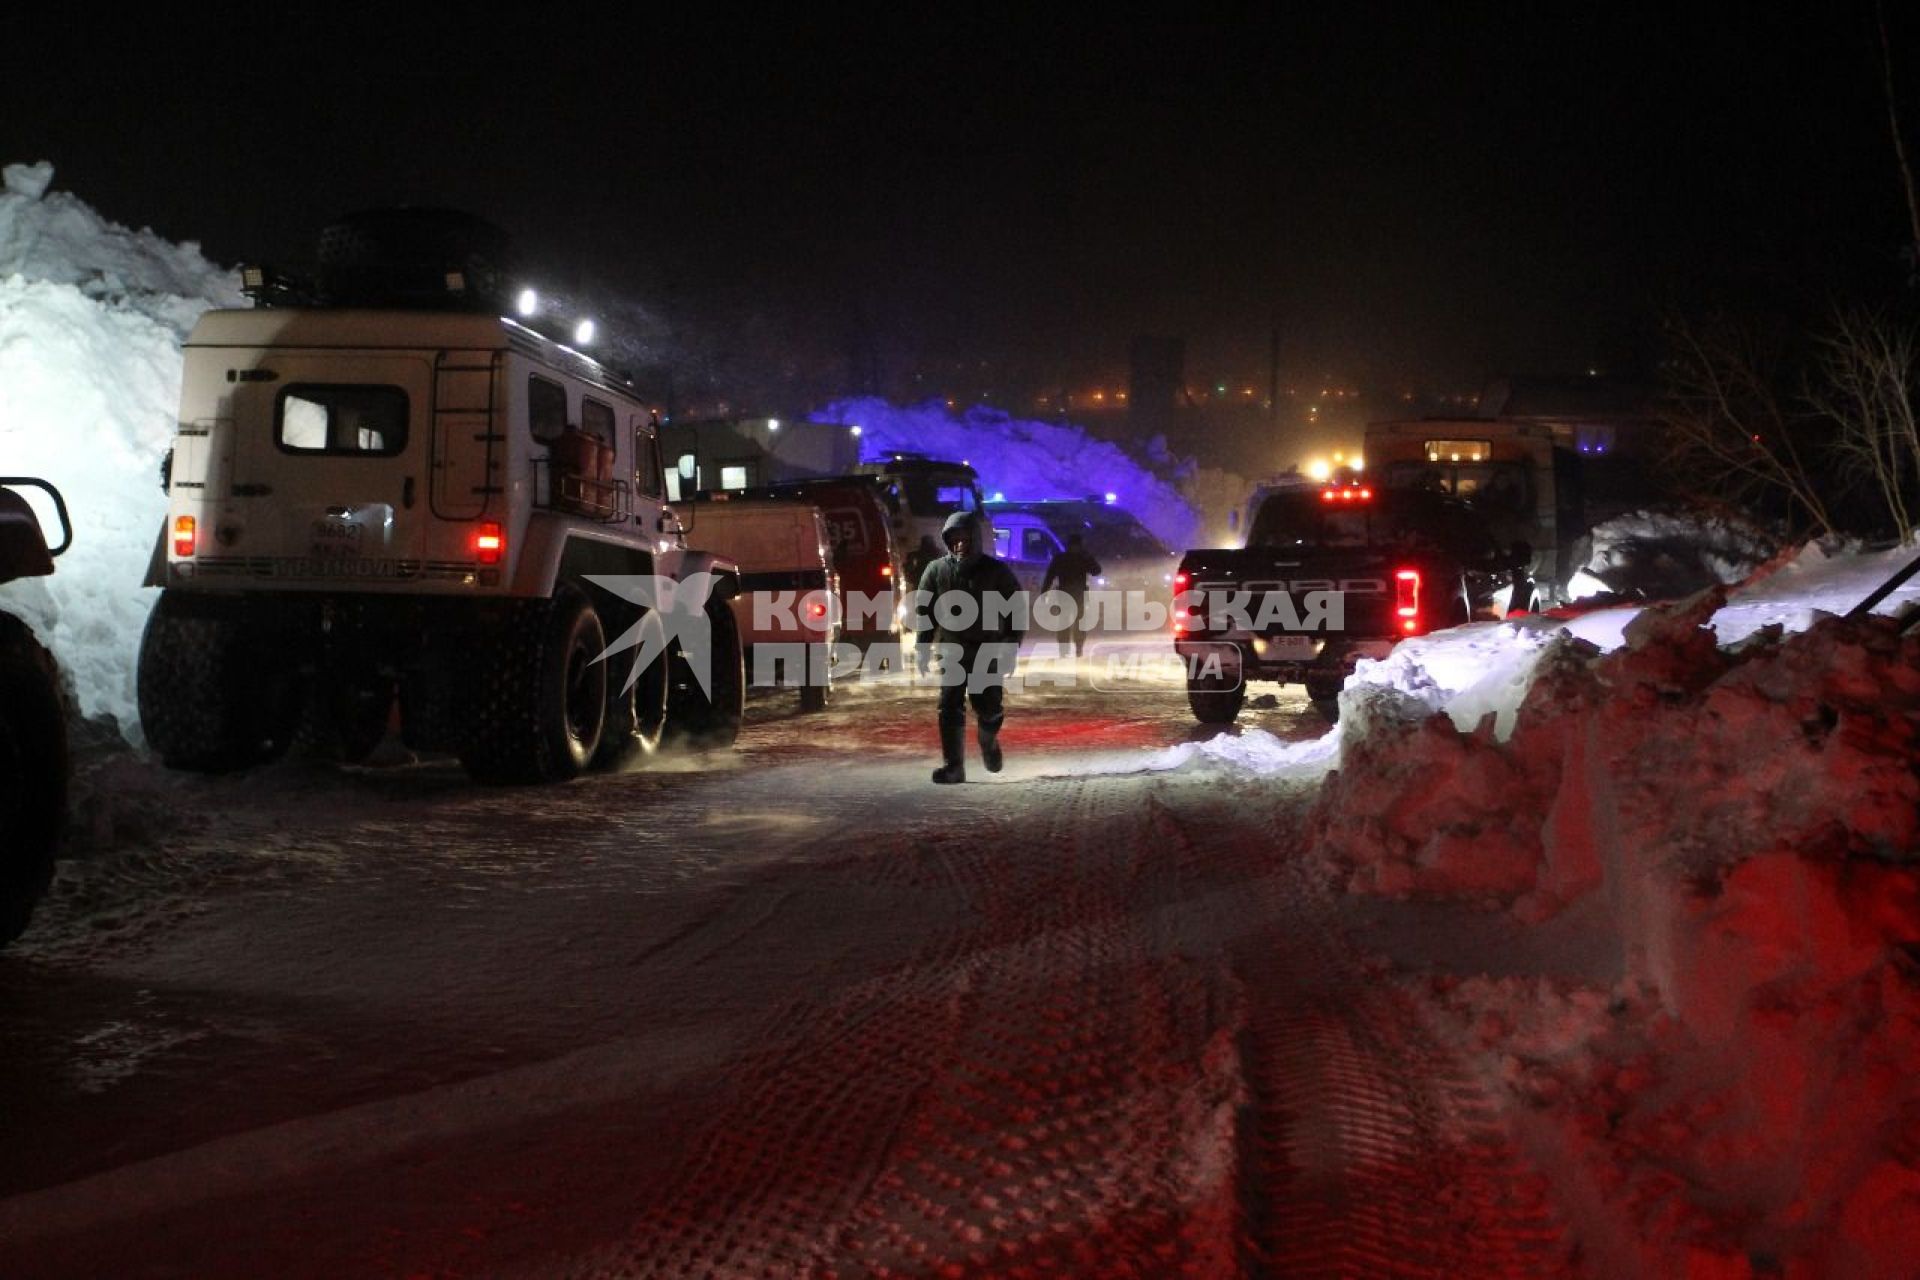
[1180, 581]
[816, 610]
[1406, 599]
[1326, 495]
[489, 543]
[886, 571]
[186, 535]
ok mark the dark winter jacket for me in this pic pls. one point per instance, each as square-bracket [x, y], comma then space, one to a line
[999, 615]
[1072, 569]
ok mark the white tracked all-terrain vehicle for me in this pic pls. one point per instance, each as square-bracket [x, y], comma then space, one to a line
[384, 491]
[33, 717]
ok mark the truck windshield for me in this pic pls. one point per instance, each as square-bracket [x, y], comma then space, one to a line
[935, 492]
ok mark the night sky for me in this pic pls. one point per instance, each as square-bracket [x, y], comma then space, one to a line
[1430, 194]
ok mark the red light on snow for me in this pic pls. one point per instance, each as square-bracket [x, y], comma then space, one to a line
[185, 535]
[489, 543]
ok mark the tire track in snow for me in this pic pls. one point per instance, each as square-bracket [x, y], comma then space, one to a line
[1035, 1091]
[1371, 1150]
[1084, 1126]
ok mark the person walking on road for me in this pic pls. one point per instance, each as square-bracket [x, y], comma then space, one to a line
[971, 605]
[1073, 569]
[916, 567]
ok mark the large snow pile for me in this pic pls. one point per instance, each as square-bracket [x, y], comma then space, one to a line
[92, 316]
[1749, 814]
[1025, 460]
[1662, 554]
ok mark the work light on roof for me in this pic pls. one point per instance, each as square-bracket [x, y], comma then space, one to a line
[527, 303]
[583, 332]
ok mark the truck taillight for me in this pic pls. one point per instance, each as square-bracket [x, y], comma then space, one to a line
[1180, 581]
[886, 571]
[489, 542]
[816, 610]
[1406, 600]
[186, 534]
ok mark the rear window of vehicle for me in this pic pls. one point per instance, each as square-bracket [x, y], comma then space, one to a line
[349, 421]
[938, 495]
[1393, 520]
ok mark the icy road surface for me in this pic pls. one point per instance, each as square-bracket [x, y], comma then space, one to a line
[786, 1011]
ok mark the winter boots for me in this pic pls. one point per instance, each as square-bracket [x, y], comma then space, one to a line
[990, 749]
[953, 746]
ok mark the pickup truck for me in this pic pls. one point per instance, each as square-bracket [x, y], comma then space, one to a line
[1331, 573]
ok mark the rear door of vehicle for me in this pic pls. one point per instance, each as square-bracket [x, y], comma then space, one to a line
[331, 464]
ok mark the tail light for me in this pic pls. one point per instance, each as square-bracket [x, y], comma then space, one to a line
[816, 610]
[1406, 600]
[489, 542]
[886, 571]
[1180, 581]
[186, 535]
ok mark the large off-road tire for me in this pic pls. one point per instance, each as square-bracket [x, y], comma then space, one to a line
[33, 773]
[711, 718]
[215, 693]
[637, 715]
[540, 693]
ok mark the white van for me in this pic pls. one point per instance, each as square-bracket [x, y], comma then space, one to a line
[787, 609]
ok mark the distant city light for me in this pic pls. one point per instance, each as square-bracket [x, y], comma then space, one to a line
[1112, 498]
[997, 496]
[583, 332]
[855, 429]
[527, 303]
[773, 424]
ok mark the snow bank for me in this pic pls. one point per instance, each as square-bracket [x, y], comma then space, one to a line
[1750, 816]
[91, 320]
[1660, 554]
[1025, 460]
[1251, 751]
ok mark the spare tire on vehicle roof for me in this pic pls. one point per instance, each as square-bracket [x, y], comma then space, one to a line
[438, 259]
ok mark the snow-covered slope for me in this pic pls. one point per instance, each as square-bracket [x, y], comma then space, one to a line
[1023, 459]
[91, 320]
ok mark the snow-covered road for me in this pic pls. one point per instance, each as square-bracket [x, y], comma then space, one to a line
[788, 1011]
